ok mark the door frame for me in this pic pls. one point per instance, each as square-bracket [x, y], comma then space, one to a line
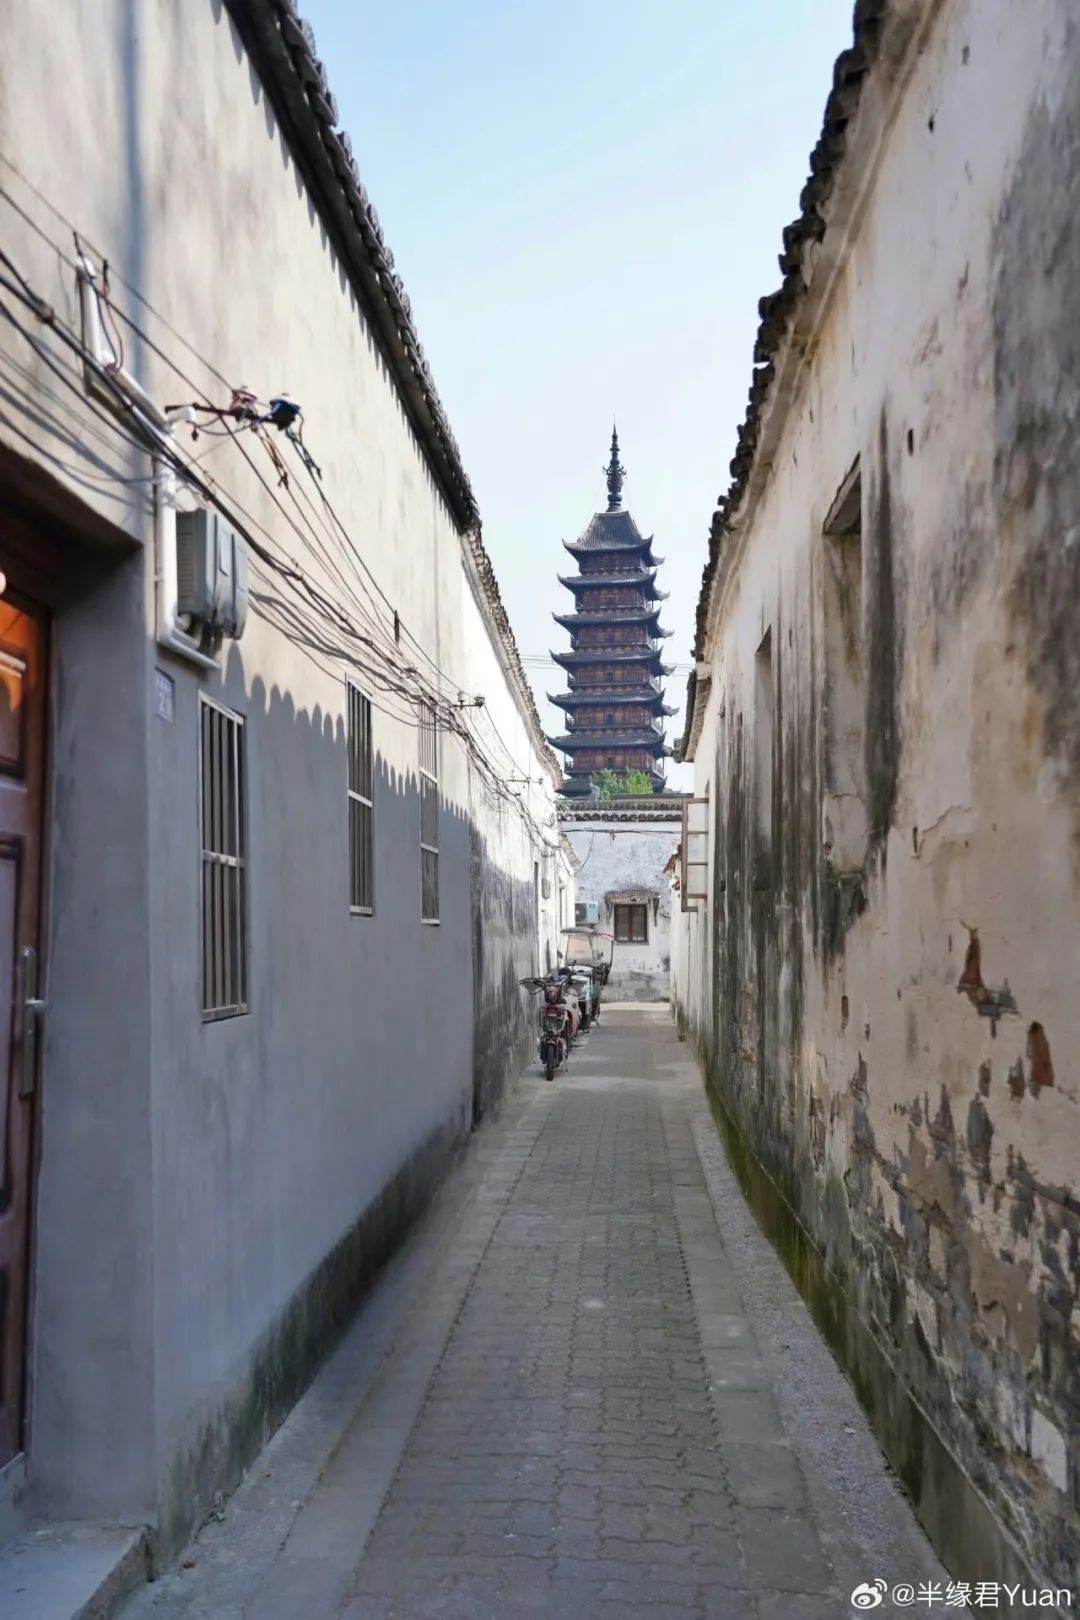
[32, 558]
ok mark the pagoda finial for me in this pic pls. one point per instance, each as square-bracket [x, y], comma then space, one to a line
[615, 472]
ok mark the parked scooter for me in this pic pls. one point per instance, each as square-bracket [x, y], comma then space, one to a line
[582, 986]
[557, 1022]
[589, 952]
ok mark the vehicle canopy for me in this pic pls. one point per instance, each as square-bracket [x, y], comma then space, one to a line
[586, 947]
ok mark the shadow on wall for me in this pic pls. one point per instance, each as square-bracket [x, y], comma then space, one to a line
[453, 992]
[320, 1122]
[406, 1035]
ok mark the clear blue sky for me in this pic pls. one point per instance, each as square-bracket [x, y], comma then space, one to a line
[585, 202]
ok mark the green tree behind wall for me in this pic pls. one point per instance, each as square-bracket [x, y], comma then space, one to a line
[611, 784]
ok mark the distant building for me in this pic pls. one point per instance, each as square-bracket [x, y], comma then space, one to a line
[614, 700]
[623, 847]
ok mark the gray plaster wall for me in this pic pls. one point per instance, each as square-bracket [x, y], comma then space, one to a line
[625, 855]
[94, 1268]
[214, 1196]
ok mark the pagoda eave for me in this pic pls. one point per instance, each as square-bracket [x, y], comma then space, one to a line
[571, 741]
[615, 616]
[583, 660]
[606, 696]
[625, 548]
[643, 577]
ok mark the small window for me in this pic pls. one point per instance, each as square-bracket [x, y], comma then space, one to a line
[361, 805]
[764, 721]
[631, 925]
[429, 814]
[223, 811]
[845, 694]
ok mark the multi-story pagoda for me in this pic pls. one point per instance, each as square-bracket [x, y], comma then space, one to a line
[615, 702]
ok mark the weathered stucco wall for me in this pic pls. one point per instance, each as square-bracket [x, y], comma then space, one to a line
[884, 983]
[625, 855]
[249, 1173]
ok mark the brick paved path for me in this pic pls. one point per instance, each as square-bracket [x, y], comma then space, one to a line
[576, 1418]
[567, 1459]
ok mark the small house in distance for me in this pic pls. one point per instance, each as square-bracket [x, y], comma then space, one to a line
[623, 846]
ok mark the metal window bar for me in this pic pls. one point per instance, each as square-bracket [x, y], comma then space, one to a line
[429, 815]
[694, 854]
[223, 816]
[361, 802]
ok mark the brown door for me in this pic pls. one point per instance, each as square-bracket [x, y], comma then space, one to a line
[23, 672]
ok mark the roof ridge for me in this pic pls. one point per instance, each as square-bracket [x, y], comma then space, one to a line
[282, 46]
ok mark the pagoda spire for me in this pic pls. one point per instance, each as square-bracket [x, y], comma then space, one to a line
[615, 472]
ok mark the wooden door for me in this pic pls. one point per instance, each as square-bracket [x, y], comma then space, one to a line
[23, 679]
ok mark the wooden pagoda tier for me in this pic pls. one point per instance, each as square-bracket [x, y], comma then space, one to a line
[615, 692]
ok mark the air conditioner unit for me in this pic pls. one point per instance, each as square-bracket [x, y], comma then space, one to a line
[587, 913]
[211, 573]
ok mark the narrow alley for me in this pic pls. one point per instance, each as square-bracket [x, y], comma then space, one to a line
[726, 691]
[585, 1387]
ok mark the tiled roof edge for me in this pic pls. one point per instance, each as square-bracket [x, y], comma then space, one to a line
[282, 48]
[500, 623]
[652, 807]
[683, 744]
[777, 310]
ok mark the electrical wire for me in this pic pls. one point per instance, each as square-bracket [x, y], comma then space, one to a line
[73, 230]
[131, 324]
[163, 445]
[213, 371]
[308, 461]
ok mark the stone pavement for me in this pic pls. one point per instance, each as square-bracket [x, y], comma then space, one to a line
[571, 1397]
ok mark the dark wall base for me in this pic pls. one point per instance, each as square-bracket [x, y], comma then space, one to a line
[286, 1359]
[966, 1535]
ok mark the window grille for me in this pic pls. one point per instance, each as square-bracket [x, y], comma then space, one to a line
[631, 924]
[429, 814]
[223, 812]
[361, 803]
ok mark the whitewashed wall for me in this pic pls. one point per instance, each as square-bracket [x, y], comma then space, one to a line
[624, 856]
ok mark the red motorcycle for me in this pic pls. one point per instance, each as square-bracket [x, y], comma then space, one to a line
[556, 1023]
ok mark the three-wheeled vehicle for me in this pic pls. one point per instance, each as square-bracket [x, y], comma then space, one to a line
[587, 956]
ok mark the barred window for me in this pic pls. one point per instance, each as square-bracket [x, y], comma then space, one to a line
[361, 802]
[429, 814]
[223, 813]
